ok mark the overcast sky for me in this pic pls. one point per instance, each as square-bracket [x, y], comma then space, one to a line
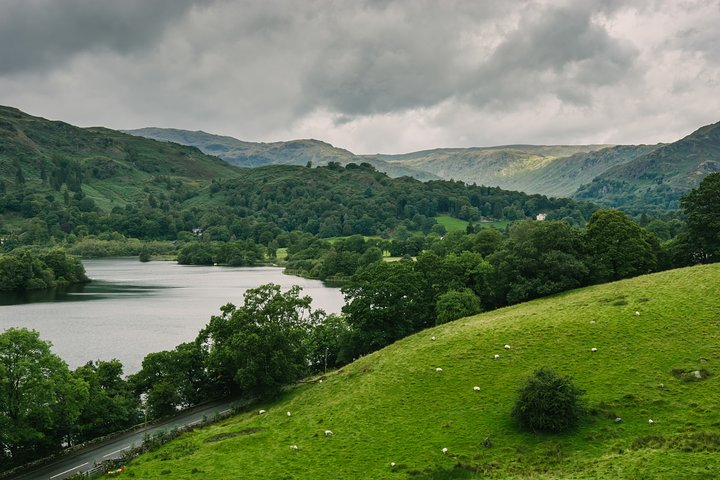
[370, 75]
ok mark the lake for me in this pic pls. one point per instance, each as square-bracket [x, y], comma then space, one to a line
[131, 309]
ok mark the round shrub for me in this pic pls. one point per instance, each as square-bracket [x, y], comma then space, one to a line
[548, 402]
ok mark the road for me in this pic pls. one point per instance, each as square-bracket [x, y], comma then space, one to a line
[83, 460]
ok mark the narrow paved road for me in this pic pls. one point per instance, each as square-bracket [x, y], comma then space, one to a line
[83, 460]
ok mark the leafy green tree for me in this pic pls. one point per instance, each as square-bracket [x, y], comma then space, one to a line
[386, 302]
[618, 247]
[39, 399]
[111, 405]
[548, 402]
[261, 346]
[173, 379]
[537, 259]
[326, 341]
[702, 206]
[455, 304]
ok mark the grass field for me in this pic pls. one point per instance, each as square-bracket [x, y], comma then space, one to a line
[451, 224]
[393, 407]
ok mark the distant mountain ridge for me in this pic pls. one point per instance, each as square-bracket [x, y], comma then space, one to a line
[256, 154]
[633, 177]
[659, 177]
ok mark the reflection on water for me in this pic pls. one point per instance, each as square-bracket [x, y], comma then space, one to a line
[131, 309]
[95, 290]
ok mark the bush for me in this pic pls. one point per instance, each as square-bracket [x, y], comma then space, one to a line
[548, 403]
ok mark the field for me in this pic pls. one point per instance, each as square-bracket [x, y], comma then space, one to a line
[392, 413]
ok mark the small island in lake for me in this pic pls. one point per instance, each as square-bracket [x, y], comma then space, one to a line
[32, 269]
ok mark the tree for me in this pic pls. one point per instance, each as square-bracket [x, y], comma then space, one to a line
[455, 304]
[537, 259]
[39, 399]
[386, 302]
[702, 206]
[261, 346]
[618, 247]
[111, 405]
[325, 342]
[548, 402]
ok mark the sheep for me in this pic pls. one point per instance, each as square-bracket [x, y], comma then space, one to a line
[651, 421]
[328, 433]
[497, 357]
[592, 322]
[289, 414]
[661, 386]
[438, 369]
[637, 314]
[294, 447]
[433, 338]
[618, 420]
[507, 347]
[593, 349]
[261, 412]
[477, 389]
[445, 450]
[392, 464]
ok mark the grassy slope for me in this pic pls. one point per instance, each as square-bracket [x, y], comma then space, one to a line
[392, 406]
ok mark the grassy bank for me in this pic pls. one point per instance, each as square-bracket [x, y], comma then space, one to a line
[394, 407]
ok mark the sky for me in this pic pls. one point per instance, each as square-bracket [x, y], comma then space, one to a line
[371, 76]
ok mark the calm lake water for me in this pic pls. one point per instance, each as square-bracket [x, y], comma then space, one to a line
[131, 309]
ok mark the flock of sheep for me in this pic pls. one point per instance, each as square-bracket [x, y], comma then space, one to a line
[444, 450]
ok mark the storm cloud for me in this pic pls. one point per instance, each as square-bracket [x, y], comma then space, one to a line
[372, 75]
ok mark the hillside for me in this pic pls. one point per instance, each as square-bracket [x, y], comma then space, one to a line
[251, 154]
[391, 413]
[41, 156]
[660, 177]
[511, 167]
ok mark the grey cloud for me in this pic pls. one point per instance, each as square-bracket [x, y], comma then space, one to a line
[559, 52]
[36, 35]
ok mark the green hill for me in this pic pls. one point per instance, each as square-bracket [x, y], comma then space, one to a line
[394, 407]
[39, 157]
[658, 178]
[511, 167]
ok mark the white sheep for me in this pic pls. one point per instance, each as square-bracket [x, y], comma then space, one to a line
[294, 447]
[438, 369]
[507, 347]
[328, 433]
[261, 412]
[662, 386]
[445, 450]
[592, 322]
[433, 338]
[618, 420]
[651, 421]
[637, 314]
[392, 464]
[289, 414]
[477, 389]
[497, 357]
[593, 349]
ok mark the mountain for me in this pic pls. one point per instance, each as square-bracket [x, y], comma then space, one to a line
[392, 413]
[107, 166]
[251, 154]
[510, 167]
[660, 177]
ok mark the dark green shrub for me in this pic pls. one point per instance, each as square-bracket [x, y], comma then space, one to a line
[548, 402]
